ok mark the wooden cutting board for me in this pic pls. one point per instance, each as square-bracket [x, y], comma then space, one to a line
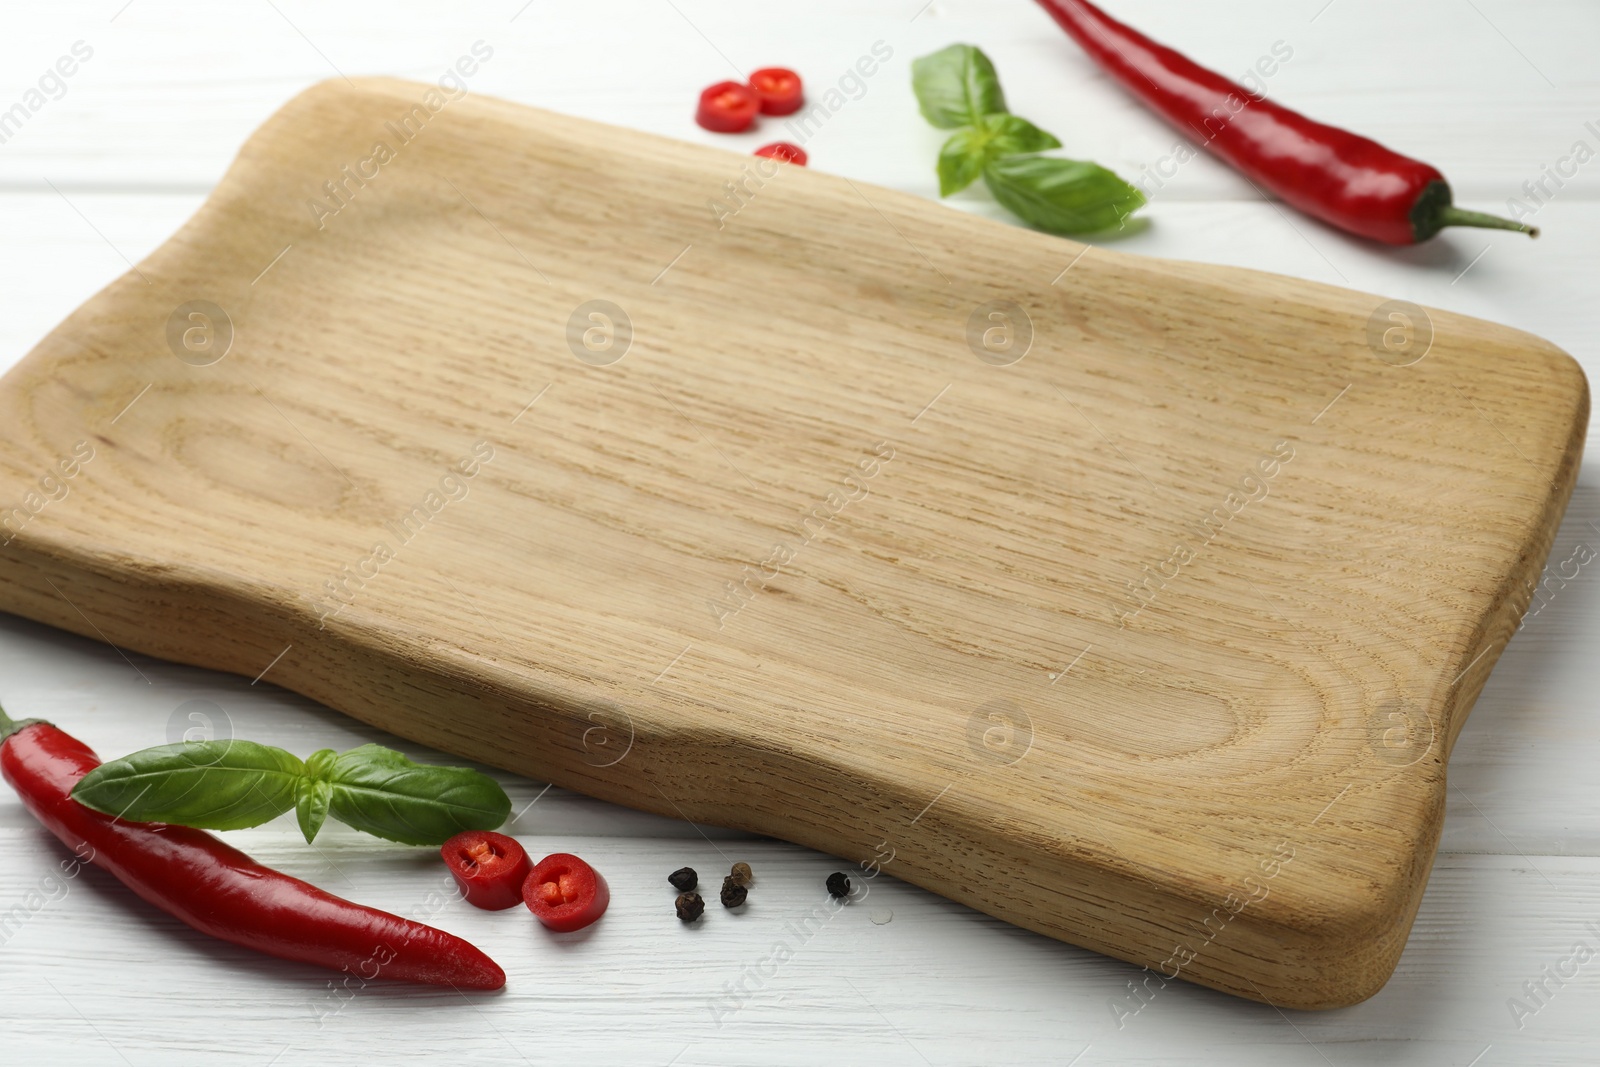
[1136, 603]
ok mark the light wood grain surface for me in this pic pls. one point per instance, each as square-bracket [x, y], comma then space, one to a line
[1516, 785]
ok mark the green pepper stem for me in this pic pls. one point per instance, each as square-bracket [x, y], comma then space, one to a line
[9, 726]
[1451, 215]
[1435, 209]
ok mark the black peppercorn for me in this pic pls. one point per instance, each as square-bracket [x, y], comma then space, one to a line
[839, 884]
[690, 907]
[684, 879]
[733, 893]
[742, 874]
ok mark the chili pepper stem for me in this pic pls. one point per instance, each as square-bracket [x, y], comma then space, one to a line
[9, 726]
[1455, 216]
[1435, 209]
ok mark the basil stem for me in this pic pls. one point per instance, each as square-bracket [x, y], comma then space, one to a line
[969, 150]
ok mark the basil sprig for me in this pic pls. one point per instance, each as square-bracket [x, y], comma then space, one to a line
[957, 88]
[230, 785]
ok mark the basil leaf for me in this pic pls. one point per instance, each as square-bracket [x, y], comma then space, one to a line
[319, 764]
[960, 161]
[956, 86]
[1061, 195]
[380, 791]
[969, 150]
[314, 792]
[311, 801]
[213, 785]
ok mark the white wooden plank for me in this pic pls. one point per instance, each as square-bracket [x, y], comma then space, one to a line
[171, 91]
[175, 85]
[899, 976]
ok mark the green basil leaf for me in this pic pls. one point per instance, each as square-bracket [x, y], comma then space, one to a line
[314, 792]
[319, 764]
[960, 161]
[956, 86]
[1061, 195]
[381, 792]
[1010, 135]
[213, 785]
[311, 800]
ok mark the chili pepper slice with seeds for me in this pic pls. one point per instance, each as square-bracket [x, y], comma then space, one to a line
[565, 893]
[489, 867]
[1337, 176]
[779, 90]
[219, 890]
[727, 107]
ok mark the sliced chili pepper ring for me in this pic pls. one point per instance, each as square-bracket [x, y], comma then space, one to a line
[489, 867]
[779, 89]
[784, 152]
[727, 107]
[565, 893]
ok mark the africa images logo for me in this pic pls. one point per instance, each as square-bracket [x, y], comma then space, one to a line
[1253, 487]
[341, 190]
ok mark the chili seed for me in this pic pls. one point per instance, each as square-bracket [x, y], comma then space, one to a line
[839, 884]
[684, 879]
[733, 894]
[690, 906]
[742, 874]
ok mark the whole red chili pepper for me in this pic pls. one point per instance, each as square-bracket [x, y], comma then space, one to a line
[219, 890]
[1332, 174]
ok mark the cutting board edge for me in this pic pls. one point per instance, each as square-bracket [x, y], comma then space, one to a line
[1328, 964]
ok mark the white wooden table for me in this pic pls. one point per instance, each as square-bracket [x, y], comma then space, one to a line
[119, 153]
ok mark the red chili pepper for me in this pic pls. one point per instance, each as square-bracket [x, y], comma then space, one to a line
[1332, 174]
[784, 152]
[565, 893]
[779, 90]
[489, 867]
[727, 107]
[219, 890]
